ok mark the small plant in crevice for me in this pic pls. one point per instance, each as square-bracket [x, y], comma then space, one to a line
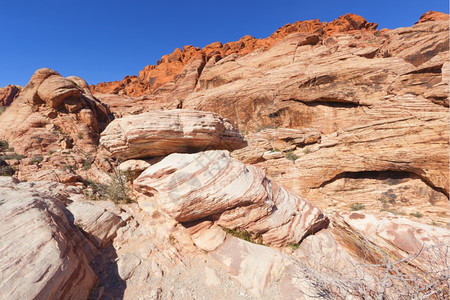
[416, 214]
[4, 145]
[70, 168]
[87, 164]
[357, 206]
[37, 159]
[245, 235]
[12, 156]
[6, 170]
[294, 246]
[291, 156]
[116, 190]
[261, 128]
[306, 150]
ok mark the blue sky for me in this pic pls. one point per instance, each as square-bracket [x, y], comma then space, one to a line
[106, 40]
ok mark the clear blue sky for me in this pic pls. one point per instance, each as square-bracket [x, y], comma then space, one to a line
[105, 40]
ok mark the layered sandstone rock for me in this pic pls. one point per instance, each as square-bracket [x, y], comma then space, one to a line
[213, 186]
[171, 66]
[55, 121]
[41, 253]
[8, 94]
[164, 132]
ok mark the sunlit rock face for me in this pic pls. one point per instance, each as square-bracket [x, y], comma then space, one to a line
[212, 185]
[163, 132]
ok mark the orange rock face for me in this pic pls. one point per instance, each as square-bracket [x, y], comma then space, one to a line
[8, 94]
[433, 16]
[154, 76]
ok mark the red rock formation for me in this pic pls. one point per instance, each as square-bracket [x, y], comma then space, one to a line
[8, 94]
[433, 16]
[154, 76]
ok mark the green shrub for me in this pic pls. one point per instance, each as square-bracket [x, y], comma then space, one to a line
[7, 170]
[245, 235]
[4, 144]
[116, 189]
[357, 206]
[12, 156]
[291, 156]
[294, 246]
[37, 159]
[416, 214]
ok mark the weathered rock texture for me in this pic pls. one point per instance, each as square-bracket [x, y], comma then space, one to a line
[172, 65]
[349, 117]
[56, 122]
[8, 94]
[41, 252]
[213, 186]
[371, 106]
[163, 132]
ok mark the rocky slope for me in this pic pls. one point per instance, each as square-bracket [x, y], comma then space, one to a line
[154, 206]
[170, 66]
[371, 108]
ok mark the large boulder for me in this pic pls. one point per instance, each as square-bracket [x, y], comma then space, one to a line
[163, 132]
[41, 253]
[212, 185]
[55, 120]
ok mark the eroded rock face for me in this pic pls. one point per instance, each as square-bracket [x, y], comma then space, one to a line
[56, 122]
[424, 249]
[213, 186]
[164, 132]
[171, 66]
[8, 94]
[41, 255]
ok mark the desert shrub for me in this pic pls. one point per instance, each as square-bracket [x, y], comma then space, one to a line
[87, 164]
[116, 189]
[357, 206]
[245, 235]
[386, 277]
[37, 159]
[4, 144]
[3, 109]
[261, 128]
[294, 246]
[416, 214]
[70, 168]
[7, 170]
[12, 156]
[291, 155]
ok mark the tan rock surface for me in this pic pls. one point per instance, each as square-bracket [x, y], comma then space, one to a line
[213, 186]
[164, 132]
[41, 254]
[56, 122]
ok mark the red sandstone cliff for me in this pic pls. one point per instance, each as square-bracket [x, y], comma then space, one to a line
[154, 76]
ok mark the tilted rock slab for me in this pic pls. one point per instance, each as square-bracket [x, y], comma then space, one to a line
[164, 132]
[212, 185]
[41, 254]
